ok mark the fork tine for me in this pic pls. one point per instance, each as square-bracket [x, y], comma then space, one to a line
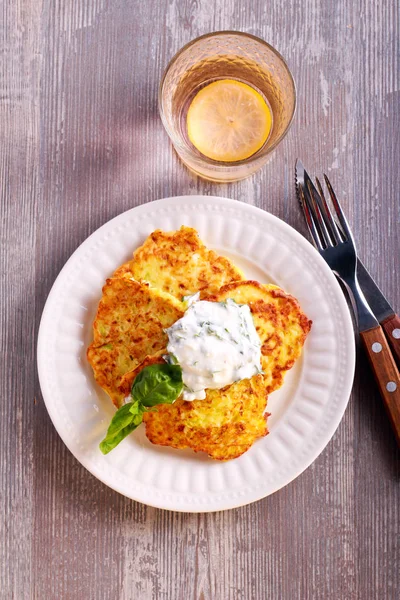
[330, 222]
[315, 236]
[338, 209]
[320, 218]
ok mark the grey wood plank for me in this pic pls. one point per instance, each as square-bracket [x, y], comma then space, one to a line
[80, 142]
[19, 120]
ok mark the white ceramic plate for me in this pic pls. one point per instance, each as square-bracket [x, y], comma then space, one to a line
[305, 411]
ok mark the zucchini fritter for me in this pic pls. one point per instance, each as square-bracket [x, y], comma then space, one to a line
[129, 325]
[224, 425]
[280, 324]
[179, 263]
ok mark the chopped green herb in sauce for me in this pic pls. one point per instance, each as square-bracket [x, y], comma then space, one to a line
[216, 344]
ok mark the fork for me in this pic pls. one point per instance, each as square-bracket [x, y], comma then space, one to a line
[334, 241]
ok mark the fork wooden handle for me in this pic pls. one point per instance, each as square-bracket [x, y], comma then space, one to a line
[392, 330]
[386, 373]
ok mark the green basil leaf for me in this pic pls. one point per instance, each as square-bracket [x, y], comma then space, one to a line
[109, 444]
[136, 408]
[122, 424]
[121, 419]
[158, 384]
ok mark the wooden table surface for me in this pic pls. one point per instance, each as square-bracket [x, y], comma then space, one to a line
[81, 141]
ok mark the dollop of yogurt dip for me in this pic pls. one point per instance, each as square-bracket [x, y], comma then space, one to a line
[216, 344]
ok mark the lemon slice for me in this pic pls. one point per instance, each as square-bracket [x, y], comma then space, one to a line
[228, 120]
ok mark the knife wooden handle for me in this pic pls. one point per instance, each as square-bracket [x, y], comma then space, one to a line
[386, 373]
[392, 330]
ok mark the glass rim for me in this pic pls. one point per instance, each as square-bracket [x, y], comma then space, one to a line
[224, 32]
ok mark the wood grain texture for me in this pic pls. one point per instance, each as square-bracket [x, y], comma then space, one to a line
[386, 374]
[391, 327]
[81, 141]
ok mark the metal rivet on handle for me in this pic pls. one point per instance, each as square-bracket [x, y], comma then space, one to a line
[391, 386]
[376, 347]
[396, 334]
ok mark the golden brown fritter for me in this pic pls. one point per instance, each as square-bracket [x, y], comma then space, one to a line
[279, 322]
[129, 325]
[224, 425]
[179, 263]
[123, 270]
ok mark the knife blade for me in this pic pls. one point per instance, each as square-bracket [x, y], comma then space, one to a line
[375, 298]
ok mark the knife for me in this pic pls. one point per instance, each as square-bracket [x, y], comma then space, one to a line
[381, 308]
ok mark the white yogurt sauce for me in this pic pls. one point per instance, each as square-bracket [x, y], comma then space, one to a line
[216, 344]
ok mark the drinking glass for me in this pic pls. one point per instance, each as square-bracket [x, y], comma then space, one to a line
[226, 55]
